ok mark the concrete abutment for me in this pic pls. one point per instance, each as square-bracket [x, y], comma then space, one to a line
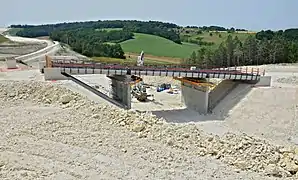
[203, 100]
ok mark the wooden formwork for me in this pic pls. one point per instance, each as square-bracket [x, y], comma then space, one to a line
[49, 62]
[195, 82]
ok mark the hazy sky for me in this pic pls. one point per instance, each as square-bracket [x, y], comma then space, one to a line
[250, 14]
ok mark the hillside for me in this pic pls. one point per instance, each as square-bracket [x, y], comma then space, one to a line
[169, 43]
[157, 46]
[3, 39]
[213, 38]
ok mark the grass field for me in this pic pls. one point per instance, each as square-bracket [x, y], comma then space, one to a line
[158, 46]
[3, 39]
[216, 37]
[13, 31]
[132, 60]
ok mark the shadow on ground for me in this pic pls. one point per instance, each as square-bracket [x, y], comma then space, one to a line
[219, 113]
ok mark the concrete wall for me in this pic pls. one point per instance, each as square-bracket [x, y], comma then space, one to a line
[121, 90]
[95, 91]
[264, 81]
[194, 99]
[11, 63]
[219, 92]
[53, 74]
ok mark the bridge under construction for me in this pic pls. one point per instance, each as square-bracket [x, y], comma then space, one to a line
[196, 95]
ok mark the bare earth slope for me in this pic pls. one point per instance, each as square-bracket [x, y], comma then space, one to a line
[48, 132]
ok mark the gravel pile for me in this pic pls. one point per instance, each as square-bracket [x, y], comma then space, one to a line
[288, 80]
[243, 152]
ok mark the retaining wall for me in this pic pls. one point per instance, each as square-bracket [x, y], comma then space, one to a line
[219, 92]
[195, 99]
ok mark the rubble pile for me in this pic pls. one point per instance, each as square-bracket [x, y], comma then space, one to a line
[241, 151]
[289, 80]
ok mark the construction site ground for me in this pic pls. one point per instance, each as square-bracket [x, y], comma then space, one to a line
[37, 133]
[47, 132]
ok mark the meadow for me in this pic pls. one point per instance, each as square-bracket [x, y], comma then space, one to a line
[3, 39]
[158, 46]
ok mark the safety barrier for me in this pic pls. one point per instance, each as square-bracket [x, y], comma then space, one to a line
[89, 67]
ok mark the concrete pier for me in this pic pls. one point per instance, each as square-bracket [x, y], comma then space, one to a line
[121, 90]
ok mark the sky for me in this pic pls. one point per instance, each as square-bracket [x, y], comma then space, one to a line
[248, 14]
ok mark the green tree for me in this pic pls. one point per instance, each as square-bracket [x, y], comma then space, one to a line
[250, 51]
[231, 45]
[193, 58]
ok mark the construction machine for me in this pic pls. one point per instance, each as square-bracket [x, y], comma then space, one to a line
[139, 90]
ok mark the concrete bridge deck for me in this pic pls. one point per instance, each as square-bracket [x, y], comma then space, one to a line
[232, 73]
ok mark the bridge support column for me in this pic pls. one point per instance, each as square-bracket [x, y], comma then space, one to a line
[195, 98]
[121, 90]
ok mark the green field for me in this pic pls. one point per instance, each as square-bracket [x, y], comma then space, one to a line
[158, 46]
[130, 61]
[13, 31]
[215, 37]
[3, 39]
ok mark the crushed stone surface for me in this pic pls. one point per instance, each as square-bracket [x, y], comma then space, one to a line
[49, 132]
[288, 80]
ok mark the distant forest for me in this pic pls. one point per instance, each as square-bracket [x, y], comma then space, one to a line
[97, 38]
[266, 47]
[92, 39]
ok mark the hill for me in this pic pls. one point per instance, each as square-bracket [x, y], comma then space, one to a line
[157, 46]
[166, 42]
[210, 38]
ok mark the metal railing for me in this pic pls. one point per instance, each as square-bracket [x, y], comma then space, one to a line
[172, 67]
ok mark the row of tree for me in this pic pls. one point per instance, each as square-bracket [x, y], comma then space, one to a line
[93, 43]
[157, 28]
[215, 28]
[253, 51]
[288, 34]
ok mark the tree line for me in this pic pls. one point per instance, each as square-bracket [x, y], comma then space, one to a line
[93, 42]
[216, 28]
[157, 28]
[267, 47]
